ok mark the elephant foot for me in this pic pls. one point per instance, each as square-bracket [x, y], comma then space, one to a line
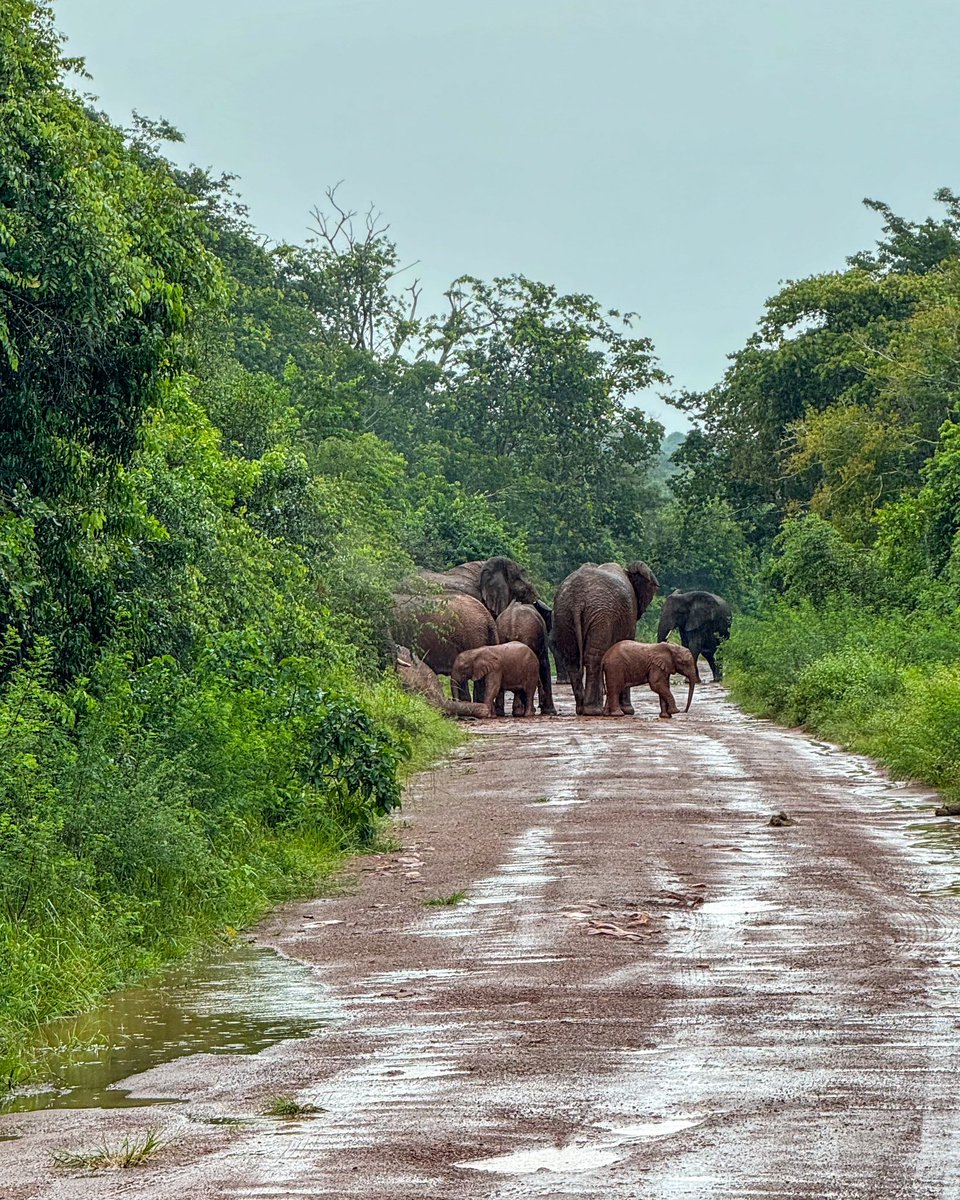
[591, 710]
[628, 710]
[665, 717]
[549, 711]
[614, 712]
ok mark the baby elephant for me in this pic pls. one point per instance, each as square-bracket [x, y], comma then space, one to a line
[511, 666]
[629, 663]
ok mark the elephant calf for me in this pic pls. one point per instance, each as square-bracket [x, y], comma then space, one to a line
[628, 663]
[511, 666]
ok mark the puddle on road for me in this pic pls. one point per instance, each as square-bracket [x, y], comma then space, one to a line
[560, 1159]
[733, 907]
[238, 1003]
[573, 1158]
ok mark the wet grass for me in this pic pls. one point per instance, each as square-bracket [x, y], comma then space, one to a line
[446, 901]
[286, 1106]
[133, 1151]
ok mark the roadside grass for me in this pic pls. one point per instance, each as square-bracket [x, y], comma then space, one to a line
[446, 901]
[133, 1151]
[177, 813]
[883, 686]
[286, 1106]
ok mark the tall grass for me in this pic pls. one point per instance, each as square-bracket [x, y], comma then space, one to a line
[885, 684]
[144, 813]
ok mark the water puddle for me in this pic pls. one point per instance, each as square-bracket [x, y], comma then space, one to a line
[734, 907]
[238, 1003]
[653, 1129]
[560, 1159]
[574, 1158]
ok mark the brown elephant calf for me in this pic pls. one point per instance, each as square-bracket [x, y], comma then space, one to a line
[628, 663]
[511, 666]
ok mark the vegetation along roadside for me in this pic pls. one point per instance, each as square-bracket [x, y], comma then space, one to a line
[221, 456]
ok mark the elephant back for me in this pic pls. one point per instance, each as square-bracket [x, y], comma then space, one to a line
[522, 623]
[441, 627]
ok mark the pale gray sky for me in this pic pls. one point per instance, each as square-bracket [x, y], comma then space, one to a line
[676, 157]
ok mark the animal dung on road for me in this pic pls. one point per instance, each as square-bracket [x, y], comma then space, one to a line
[778, 820]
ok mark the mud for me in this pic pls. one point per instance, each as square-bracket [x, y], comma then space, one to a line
[780, 1019]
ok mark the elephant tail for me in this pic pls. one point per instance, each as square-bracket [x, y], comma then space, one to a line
[691, 685]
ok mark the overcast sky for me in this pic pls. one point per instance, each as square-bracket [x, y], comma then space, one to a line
[676, 157]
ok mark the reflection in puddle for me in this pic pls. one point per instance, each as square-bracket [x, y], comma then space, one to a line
[561, 1159]
[734, 907]
[653, 1129]
[550, 1158]
[239, 1003]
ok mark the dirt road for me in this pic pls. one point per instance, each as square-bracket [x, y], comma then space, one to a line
[648, 992]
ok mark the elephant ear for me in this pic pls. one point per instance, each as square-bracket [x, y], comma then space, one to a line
[645, 584]
[494, 588]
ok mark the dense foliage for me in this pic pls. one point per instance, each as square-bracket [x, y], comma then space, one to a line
[833, 441]
[219, 457]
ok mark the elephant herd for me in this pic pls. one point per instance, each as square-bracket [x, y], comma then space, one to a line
[483, 622]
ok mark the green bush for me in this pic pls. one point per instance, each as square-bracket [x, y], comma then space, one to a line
[922, 738]
[145, 811]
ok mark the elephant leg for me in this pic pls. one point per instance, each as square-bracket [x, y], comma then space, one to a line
[530, 693]
[713, 664]
[491, 685]
[576, 682]
[545, 685]
[625, 702]
[612, 683]
[519, 703]
[660, 683]
[593, 693]
[459, 687]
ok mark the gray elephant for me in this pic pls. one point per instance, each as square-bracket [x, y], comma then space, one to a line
[526, 623]
[442, 626]
[416, 677]
[595, 607]
[702, 620]
[495, 582]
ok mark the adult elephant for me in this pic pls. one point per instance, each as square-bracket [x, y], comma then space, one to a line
[495, 582]
[596, 606]
[441, 627]
[703, 621]
[526, 623]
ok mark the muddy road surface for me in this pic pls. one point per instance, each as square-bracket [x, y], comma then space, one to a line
[645, 990]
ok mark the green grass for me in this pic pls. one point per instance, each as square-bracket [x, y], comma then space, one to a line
[883, 685]
[447, 901]
[133, 1151]
[179, 813]
[286, 1106]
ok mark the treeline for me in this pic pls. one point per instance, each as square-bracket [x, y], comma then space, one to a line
[834, 439]
[219, 457]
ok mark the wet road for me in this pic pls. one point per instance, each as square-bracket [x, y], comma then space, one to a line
[648, 991]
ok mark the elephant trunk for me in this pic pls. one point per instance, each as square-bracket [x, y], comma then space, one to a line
[463, 708]
[691, 684]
